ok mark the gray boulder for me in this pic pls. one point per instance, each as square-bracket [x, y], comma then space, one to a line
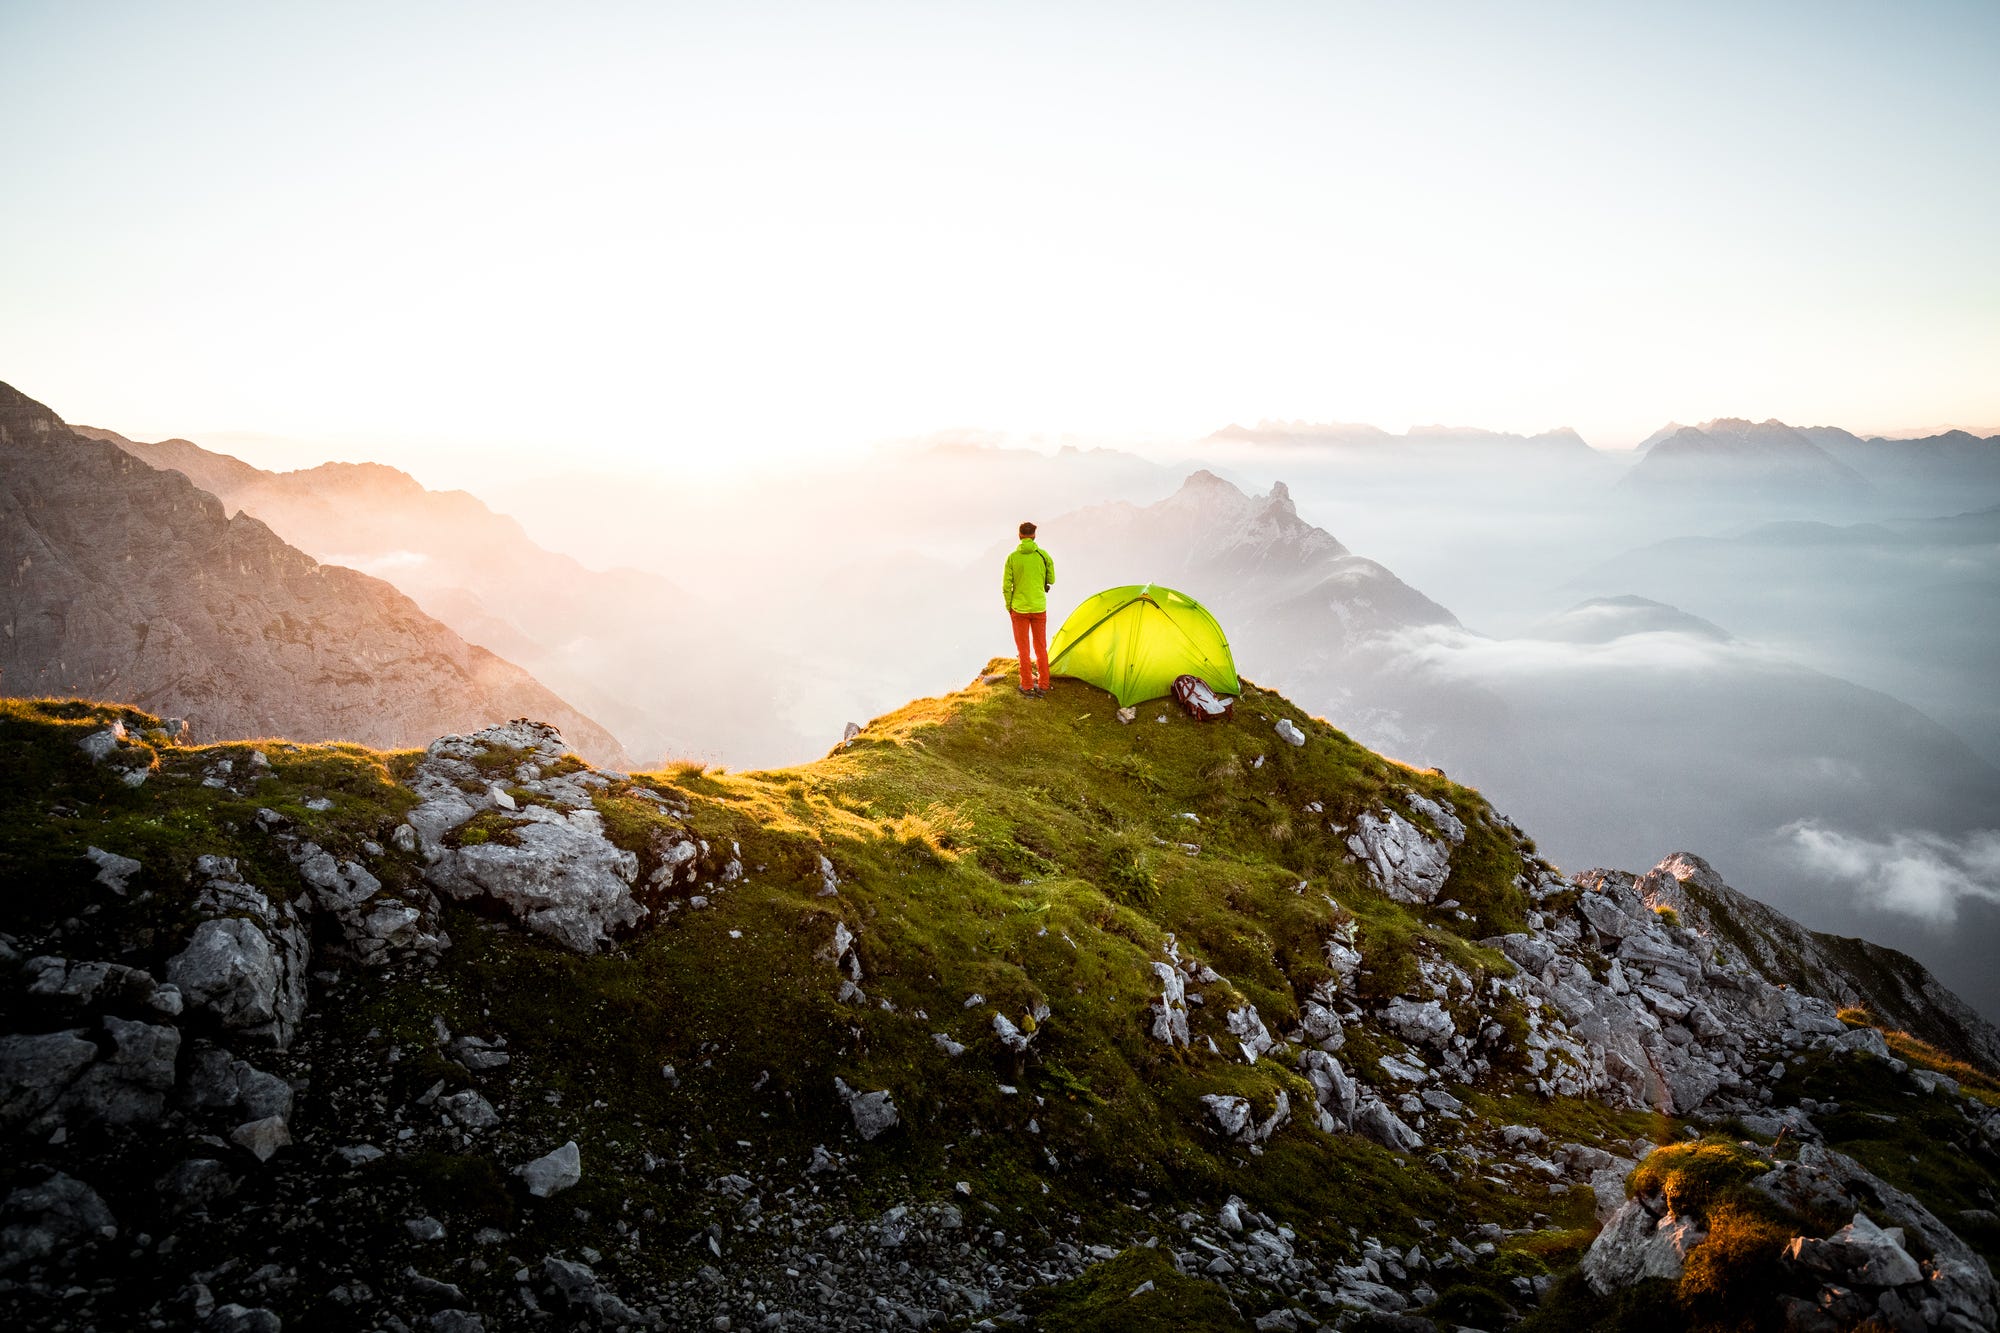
[1425, 1024]
[1231, 1114]
[469, 1110]
[1637, 1244]
[129, 1086]
[55, 1216]
[1440, 813]
[262, 1138]
[1374, 1119]
[244, 968]
[1336, 1093]
[586, 1294]
[35, 1070]
[1859, 1254]
[114, 872]
[196, 1184]
[1247, 1026]
[874, 1113]
[553, 1172]
[1170, 1016]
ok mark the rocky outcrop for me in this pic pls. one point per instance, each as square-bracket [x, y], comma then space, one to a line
[1895, 988]
[127, 582]
[245, 971]
[551, 866]
[39, 1220]
[1406, 863]
[1863, 1271]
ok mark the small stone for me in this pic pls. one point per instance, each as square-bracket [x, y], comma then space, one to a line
[234, 1318]
[470, 1110]
[424, 1228]
[874, 1112]
[113, 870]
[262, 1138]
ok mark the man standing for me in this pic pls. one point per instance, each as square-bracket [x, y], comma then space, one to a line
[1025, 582]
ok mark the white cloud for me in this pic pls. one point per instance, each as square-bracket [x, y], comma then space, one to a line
[1460, 654]
[1917, 873]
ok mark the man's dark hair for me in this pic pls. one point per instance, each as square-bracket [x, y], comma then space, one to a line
[1027, 529]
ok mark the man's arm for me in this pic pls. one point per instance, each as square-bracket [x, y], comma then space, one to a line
[1007, 582]
[1049, 564]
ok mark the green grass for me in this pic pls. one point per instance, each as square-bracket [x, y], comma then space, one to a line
[1029, 852]
[1106, 1298]
[1690, 1176]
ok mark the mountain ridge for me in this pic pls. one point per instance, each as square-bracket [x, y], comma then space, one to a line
[130, 581]
[1025, 1000]
[611, 638]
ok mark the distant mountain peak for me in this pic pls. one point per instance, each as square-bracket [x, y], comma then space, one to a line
[1607, 619]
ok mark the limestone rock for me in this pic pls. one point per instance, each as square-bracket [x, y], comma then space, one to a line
[1251, 1035]
[874, 1112]
[1421, 1024]
[230, 971]
[556, 872]
[1406, 863]
[35, 1071]
[234, 1318]
[114, 872]
[585, 1293]
[1289, 733]
[196, 1184]
[1336, 1093]
[1637, 1244]
[262, 1138]
[1374, 1119]
[1440, 813]
[1170, 1016]
[129, 1086]
[1859, 1254]
[1231, 1114]
[554, 1172]
[470, 1110]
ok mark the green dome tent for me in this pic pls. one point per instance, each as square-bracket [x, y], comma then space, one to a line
[1134, 641]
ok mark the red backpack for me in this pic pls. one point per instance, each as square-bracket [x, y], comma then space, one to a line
[1203, 703]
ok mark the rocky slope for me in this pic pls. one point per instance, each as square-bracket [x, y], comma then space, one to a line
[615, 641]
[129, 582]
[1002, 1014]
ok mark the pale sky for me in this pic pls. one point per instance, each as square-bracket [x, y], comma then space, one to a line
[607, 233]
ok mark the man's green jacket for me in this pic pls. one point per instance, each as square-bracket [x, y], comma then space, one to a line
[1027, 578]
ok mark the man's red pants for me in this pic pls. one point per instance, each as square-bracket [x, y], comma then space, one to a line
[1036, 624]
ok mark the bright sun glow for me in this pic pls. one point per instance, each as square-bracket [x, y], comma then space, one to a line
[458, 235]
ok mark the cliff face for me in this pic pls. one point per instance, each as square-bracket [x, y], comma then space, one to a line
[126, 582]
[1893, 987]
[1004, 1010]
